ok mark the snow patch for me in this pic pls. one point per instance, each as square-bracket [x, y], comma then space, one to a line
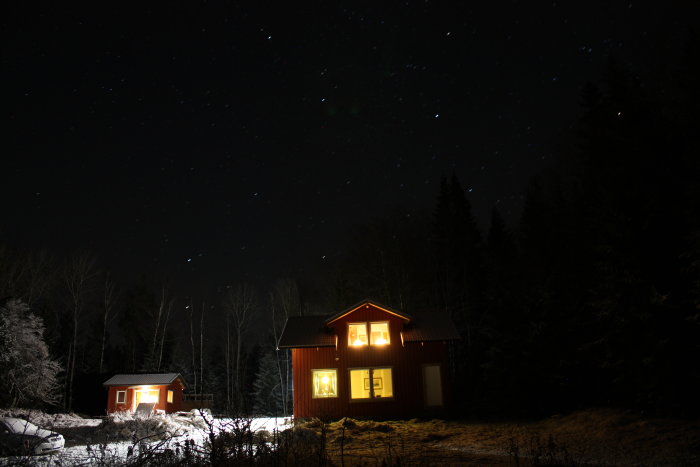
[122, 436]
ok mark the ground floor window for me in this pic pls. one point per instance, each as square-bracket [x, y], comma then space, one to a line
[325, 383]
[371, 383]
[121, 397]
[170, 396]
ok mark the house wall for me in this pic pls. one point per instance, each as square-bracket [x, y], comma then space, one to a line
[162, 404]
[406, 363]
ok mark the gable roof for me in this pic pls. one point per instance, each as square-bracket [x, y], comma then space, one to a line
[148, 378]
[337, 316]
[306, 331]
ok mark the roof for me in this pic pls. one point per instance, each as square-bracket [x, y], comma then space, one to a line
[313, 331]
[367, 302]
[147, 378]
[430, 327]
[306, 331]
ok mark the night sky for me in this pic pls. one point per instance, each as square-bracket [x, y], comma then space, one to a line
[225, 142]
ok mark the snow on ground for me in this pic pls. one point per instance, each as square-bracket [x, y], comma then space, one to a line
[59, 420]
[159, 432]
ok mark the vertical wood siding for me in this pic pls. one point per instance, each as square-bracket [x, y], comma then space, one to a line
[406, 363]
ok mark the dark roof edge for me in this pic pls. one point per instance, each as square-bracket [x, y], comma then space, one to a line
[306, 346]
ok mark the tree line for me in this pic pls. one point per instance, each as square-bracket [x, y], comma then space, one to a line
[72, 317]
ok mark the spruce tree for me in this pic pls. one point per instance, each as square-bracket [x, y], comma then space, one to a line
[267, 394]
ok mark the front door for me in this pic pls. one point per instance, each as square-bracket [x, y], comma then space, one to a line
[432, 385]
[148, 396]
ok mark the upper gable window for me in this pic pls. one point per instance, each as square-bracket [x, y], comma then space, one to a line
[379, 333]
[357, 334]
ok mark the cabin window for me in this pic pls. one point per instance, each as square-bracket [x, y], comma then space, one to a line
[121, 397]
[357, 334]
[170, 396]
[147, 396]
[379, 333]
[371, 383]
[325, 383]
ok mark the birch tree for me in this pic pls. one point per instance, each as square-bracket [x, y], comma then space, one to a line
[108, 299]
[168, 310]
[193, 348]
[285, 301]
[79, 278]
[239, 304]
[161, 316]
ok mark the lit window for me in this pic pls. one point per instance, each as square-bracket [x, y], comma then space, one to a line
[170, 397]
[147, 396]
[371, 383]
[357, 334]
[121, 397]
[379, 333]
[325, 383]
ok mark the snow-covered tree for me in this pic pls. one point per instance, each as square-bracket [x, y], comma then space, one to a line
[28, 374]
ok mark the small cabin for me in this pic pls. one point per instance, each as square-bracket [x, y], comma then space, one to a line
[370, 360]
[157, 392]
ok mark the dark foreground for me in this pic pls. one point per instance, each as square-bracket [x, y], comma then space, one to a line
[591, 437]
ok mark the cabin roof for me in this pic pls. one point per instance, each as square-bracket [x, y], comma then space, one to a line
[140, 379]
[313, 331]
[306, 331]
[349, 310]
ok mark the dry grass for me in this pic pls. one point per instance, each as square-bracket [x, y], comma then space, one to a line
[591, 437]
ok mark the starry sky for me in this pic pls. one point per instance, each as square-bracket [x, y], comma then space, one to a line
[239, 141]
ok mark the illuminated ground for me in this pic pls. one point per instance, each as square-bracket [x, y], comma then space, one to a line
[591, 437]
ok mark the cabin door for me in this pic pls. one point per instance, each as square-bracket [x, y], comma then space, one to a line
[432, 385]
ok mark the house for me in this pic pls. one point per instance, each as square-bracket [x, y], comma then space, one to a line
[369, 360]
[162, 390]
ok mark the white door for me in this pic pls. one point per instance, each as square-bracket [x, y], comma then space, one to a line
[432, 385]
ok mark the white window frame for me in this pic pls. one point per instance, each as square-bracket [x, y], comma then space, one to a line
[123, 398]
[368, 333]
[170, 396]
[388, 332]
[313, 387]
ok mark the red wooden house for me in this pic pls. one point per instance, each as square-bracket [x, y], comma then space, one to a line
[163, 390]
[369, 360]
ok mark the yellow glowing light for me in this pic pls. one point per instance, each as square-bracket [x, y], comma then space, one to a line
[325, 380]
[358, 342]
[147, 394]
[380, 341]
